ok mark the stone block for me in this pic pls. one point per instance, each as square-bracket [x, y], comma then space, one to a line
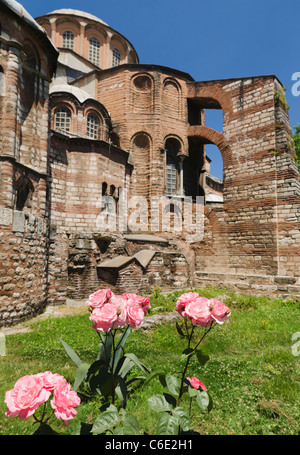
[19, 221]
[5, 216]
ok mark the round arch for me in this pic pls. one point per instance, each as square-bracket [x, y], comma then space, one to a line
[210, 136]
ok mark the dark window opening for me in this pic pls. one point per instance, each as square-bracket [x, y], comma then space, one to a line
[24, 188]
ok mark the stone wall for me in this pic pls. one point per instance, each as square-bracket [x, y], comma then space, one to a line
[27, 62]
[247, 233]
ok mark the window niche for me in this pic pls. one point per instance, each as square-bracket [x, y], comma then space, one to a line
[173, 168]
[24, 190]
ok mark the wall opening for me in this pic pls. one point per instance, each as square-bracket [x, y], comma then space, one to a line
[214, 119]
[215, 161]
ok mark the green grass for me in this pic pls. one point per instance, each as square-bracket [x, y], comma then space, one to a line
[252, 375]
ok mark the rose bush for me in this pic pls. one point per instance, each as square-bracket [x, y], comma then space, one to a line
[196, 312]
[113, 317]
[31, 391]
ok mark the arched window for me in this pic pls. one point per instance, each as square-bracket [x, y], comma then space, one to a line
[173, 168]
[68, 40]
[94, 51]
[93, 128]
[116, 57]
[171, 182]
[62, 119]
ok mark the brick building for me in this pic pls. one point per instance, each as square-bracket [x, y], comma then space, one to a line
[87, 130]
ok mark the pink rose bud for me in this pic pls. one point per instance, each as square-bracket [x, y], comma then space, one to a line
[196, 383]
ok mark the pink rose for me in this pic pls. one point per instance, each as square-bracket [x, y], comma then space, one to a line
[219, 311]
[119, 302]
[64, 401]
[104, 317]
[144, 302]
[50, 380]
[135, 313]
[183, 300]
[196, 383]
[99, 298]
[26, 396]
[198, 311]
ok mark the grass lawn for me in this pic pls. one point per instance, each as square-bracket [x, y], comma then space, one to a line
[252, 375]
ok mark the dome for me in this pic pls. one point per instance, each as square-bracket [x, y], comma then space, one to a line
[75, 12]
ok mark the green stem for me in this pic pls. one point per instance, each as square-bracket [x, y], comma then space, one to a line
[190, 356]
[112, 369]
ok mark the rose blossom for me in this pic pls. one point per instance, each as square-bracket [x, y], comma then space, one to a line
[99, 298]
[144, 302]
[104, 317]
[135, 313]
[198, 311]
[51, 380]
[26, 396]
[196, 383]
[64, 401]
[183, 300]
[119, 301]
[219, 311]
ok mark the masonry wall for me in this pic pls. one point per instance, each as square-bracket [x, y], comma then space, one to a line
[78, 169]
[149, 103]
[27, 63]
[260, 177]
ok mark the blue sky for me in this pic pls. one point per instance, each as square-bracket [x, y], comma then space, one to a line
[211, 39]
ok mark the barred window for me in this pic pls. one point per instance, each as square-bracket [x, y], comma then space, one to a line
[171, 173]
[62, 119]
[94, 51]
[68, 40]
[116, 60]
[92, 129]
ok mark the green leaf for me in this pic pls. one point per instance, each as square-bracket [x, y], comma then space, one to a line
[152, 375]
[120, 347]
[202, 399]
[183, 418]
[126, 366]
[192, 391]
[121, 390]
[134, 358]
[173, 384]
[97, 375]
[130, 425]
[106, 421]
[81, 374]
[167, 424]
[202, 358]
[82, 429]
[170, 399]
[158, 403]
[72, 354]
[162, 380]
[179, 329]
[136, 378]
[46, 430]
[105, 347]
[188, 352]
